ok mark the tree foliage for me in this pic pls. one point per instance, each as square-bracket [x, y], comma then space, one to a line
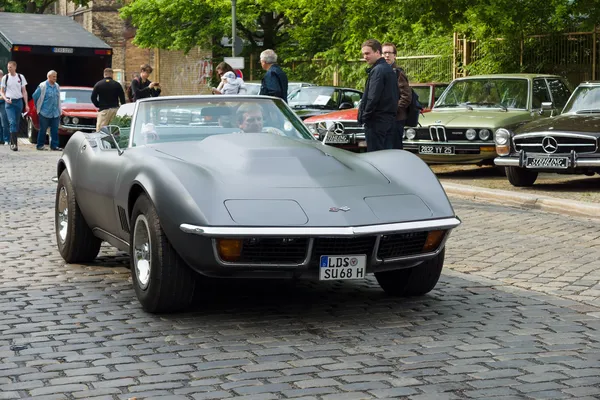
[32, 7]
[328, 33]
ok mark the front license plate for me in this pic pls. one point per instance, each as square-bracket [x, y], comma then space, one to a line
[547, 162]
[436, 149]
[342, 267]
[337, 139]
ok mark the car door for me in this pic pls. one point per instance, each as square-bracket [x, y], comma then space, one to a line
[96, 184]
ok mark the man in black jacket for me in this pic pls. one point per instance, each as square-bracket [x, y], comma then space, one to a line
[379, 103]
[106, 95]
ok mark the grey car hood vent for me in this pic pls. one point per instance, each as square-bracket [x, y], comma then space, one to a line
[267, 160]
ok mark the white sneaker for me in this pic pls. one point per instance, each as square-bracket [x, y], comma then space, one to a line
[6, 143]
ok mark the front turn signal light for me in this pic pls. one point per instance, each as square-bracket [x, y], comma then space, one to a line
[229, 249]
[434, 239]
[502, 150]
[490, 149]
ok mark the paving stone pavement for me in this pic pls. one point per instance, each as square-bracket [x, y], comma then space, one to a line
[515, 316]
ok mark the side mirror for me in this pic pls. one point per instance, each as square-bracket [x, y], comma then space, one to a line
[345, 106]
[113, 132]
[547, 105]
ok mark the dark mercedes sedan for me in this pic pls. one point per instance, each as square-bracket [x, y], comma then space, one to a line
[568, 143]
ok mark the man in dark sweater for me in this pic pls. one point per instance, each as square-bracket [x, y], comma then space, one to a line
[379, 103]
[143, 87]
[107, 95]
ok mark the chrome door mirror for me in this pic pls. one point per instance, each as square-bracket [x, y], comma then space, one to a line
[113, 133]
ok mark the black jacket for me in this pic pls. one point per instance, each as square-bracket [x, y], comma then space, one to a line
[380, 98]
[275, 83]
[141, 89]
[107, 93]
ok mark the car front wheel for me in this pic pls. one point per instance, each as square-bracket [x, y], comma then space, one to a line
[32, 133]
[415, 281]
[521, 176]
[76, 241]
[162, 281]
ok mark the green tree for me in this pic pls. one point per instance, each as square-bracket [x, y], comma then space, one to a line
[32, 7]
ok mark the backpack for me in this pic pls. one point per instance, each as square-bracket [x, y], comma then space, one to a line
[130, 92]
[5, 79]
[415, 108]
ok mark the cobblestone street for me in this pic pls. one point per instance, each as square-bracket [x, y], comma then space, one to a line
[516, 315]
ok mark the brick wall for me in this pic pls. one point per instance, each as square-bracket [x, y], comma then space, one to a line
[181, 74]
[178, 73]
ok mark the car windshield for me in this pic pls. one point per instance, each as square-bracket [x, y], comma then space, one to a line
[194, 119]
[76, 96]
[252, 88]
[486, 93]
[585, 100]
[313, 96]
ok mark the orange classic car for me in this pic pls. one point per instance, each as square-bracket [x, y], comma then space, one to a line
[78, 114]
[344, 130]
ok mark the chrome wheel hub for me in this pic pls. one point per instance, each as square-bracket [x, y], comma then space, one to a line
[142, 251]
[62, 219]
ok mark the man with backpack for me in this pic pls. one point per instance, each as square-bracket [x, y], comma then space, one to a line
[14, 93]
[406, 93]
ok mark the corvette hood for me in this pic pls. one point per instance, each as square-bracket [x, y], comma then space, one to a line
[582, 123]
[271, 161]
[475, 118]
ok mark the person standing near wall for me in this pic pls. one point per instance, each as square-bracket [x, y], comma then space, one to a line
[143, 87]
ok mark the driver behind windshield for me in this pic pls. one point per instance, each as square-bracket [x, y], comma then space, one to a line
[250, 118]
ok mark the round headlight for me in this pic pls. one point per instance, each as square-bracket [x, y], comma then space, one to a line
[411, 133]
[501, 137]
[471, 134]
[485, 134]
[312, 128]
[66, 120]
[75, 120]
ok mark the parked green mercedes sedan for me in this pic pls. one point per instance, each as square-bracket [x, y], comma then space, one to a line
[460, 128]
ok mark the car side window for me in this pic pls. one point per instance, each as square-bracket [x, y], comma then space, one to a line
[540, 93]
[351, 97]
[559, 91]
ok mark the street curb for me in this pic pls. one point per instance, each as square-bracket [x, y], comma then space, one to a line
[524, 200]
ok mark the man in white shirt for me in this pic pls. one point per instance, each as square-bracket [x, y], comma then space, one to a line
[14, 93]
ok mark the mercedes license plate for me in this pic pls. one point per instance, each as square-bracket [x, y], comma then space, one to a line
[436, 149]
[342, 267]
[337, 139]
[547, 162]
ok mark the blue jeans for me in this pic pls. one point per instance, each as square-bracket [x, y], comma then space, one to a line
[4, 131]
[13, 112]
[44, 124]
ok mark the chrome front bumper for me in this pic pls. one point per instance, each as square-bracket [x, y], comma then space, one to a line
[241, 231]
[512, 161]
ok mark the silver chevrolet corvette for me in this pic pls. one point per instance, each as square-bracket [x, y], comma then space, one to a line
[236, 186]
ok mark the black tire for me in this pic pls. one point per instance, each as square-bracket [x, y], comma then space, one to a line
[415, 281]
[520, 176]
[32, 133]
[501, 170]
[165, 283]
[75, 240]
[62, 140]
